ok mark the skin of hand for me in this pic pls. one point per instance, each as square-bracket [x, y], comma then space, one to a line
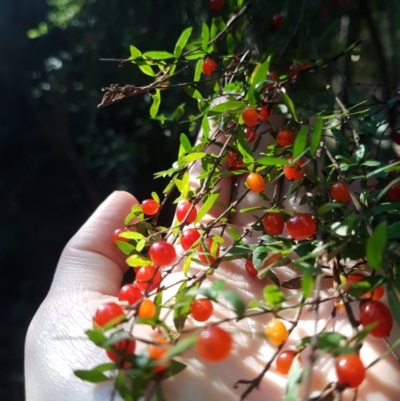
[90, 273]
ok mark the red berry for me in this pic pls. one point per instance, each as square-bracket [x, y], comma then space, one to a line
[250, 134]
[182, 212]
[375, 311]
[285, 137]
[276, 332]
[292, 71]
[339, 192]
[210, 252]
[126, 346]
[350, 370]
[201, 309]
[277, 21]
[265, 112]
[396, 136]
[209, 66]
[250, 268]
[393, 194]
[115, 237]
[148, 278]
[273, 223]
[255, 182]
[108, 312]
[162, 253]
[301, 226]
[250, 117]
[284, 361]
[189, 237]
[294, 171]
[130, 293]
[233, 160]
[216, 5]
[214, 344]
[150, 207]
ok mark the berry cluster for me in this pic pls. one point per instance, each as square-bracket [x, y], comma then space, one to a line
[350, 198]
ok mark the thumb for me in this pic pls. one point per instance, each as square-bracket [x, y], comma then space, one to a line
[90, 261]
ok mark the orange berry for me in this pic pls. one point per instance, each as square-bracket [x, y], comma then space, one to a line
[255, 182]
[158, 352]
[276, 332]
[147, 309]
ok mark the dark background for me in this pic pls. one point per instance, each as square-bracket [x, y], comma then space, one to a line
[60, 156]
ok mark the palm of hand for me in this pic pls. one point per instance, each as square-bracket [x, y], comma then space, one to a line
[89, 274]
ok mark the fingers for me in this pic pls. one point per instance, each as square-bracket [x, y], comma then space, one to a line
[90, 261]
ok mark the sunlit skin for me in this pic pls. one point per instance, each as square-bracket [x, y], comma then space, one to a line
[74, 298]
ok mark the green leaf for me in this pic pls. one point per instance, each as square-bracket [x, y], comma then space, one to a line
[174, 368]
[156, 103]
[185, 142]
[258, 76]
[95, 375]
[376, 246]
[135, 53]
[273, 296]
[394, 302]
[122, 387]
[230, 105]
[182, 306]
[185, 185]
[205, 36]
[155, 197]
[194, 93]
[205, 126]
[96, 336]
[198, 70]
[300, 142]
[316, 136]
[327, 207]
[184, 161]
[331, 342]
[125, 247]
[294, 380]
[235, 301]
[182, 345]
[234, 234]
[289, 103]
[307, 284]
[186, 264]
[179, 112]
[132, 235]
[146, 68]
[207, 205]
[244, 149]
[259, 255]
[359, 153]
[158, 55]
[272, 161]
[182, 41]
[137, 261]
[200, 54]
[393, 231]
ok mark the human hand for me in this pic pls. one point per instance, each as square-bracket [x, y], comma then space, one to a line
[89, 274]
